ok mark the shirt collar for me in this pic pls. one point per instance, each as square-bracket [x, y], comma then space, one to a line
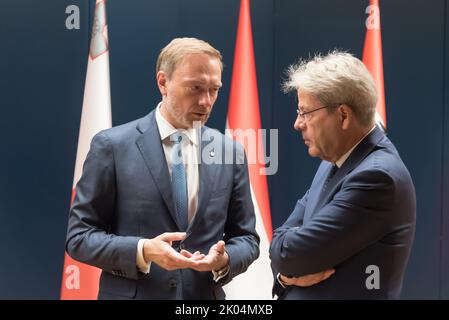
[166, 129]
[344, 157]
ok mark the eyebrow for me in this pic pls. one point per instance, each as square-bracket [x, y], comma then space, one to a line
[192, 81]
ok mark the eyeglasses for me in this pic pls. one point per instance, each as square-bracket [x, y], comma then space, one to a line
[304, 116]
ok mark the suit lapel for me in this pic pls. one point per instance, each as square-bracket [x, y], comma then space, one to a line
[150, 146]
[360, 152]
[315, 189]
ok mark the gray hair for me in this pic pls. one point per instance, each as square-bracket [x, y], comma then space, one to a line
[337, 78]
[172, 54]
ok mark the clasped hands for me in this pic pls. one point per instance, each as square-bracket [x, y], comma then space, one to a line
[306, 280]
[160, 251]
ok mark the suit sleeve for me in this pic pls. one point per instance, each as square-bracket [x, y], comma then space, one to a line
[294, 220]
[358, 215]
[92, 215]
[242, 241]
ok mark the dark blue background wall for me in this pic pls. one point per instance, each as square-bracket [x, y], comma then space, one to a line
[42, 70]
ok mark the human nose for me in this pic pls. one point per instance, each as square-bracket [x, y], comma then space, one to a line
[299, 124]
[206, 99]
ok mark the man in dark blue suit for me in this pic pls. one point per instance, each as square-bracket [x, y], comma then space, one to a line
[160, 211]
[350, 235]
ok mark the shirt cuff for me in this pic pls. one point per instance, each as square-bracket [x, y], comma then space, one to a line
[221, 273]
[278, 277]
[143, 266]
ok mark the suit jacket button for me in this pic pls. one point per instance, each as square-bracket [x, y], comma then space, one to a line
[182, 246]
[172, 283]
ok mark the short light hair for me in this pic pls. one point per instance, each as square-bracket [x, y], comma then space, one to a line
[178, 48]
[334, 79]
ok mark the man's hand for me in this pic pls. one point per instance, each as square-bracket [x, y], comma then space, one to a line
[159, 250]
[216, 259]
[307, 280]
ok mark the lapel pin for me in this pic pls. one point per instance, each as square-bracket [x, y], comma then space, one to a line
[212, 153]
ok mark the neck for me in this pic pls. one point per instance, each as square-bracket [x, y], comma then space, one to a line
[351, 139]
[167, 116]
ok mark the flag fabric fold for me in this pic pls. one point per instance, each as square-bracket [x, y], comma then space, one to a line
[372, 58]
[80, 281]
[244, 114]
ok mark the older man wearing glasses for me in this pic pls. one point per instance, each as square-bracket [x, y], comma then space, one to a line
[350, 235]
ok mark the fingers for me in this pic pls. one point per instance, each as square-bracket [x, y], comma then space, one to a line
[186, 253]
[168, 258]
[307, 280]
[216, 258]
[326, 274]
[178, 261]
[181, 260]
[195, 256]
[203, 263]
[172, 236]
[318, 277]
[161, 252]
[287, 280]
[198, 256]
[220, 246]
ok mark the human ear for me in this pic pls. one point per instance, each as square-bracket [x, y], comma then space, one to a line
[345, 115]
[161, 79]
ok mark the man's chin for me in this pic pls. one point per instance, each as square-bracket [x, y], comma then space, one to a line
[312, 152]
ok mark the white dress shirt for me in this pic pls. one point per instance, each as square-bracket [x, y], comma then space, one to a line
[190, 155]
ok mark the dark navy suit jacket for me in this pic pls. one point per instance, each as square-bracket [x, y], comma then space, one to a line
[124, 195]
[365, 217]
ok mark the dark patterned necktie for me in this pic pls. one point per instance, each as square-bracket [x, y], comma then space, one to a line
[329, 177]
[179, 181]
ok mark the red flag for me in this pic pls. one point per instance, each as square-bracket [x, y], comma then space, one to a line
[244, 114]
[80, 281]
[372, 58]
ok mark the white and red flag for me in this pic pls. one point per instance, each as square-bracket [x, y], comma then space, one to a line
[244, 114]
[80, 281]
[372, 58]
